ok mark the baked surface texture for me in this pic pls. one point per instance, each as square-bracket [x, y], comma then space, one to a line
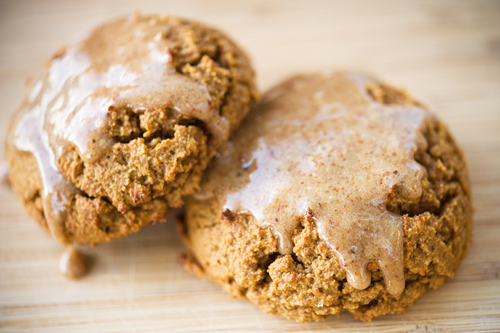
[154, 151]
[309, 283]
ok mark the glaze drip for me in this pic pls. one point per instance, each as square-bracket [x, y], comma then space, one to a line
[321, 146]
[73, 264]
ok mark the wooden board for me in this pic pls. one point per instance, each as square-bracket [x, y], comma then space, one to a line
[447, 53]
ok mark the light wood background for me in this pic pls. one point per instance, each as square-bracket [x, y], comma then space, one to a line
[447, 53]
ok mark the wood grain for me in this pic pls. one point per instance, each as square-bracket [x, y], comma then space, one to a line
[447, 53]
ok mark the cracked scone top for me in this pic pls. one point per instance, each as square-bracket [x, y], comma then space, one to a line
[325, 154]
[126, 117]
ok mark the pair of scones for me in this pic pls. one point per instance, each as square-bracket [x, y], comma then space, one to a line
[337, 193]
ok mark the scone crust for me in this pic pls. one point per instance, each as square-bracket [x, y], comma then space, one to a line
[310, 284]
[158, 156]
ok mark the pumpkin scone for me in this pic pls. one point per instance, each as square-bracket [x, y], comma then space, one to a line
[122, 124]
[338, 193]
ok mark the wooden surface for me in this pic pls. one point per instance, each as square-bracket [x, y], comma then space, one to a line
[447, 53]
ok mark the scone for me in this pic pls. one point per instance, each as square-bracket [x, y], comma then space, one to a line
[122, 124]
[338, 193]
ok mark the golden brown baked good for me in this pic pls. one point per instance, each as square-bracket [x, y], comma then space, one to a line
[122, 124]
[338, 193]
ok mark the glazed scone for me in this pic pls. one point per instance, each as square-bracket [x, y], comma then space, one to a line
[122, 124]
[338, 193]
